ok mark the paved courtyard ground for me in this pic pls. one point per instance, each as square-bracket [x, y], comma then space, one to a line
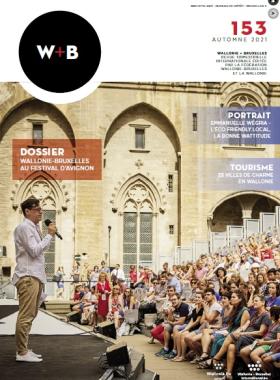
[167, 369]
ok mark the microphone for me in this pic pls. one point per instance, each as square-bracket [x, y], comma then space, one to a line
[47, 222]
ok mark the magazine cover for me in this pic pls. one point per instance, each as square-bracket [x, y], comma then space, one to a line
[139, 182]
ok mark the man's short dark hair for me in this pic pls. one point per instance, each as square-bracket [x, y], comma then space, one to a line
[272, 270]
[177, 295]
[210, 290]
[29, 203]
[200, 292]
[220, 268]
[226, 295]
[275, 312]
[171, 287]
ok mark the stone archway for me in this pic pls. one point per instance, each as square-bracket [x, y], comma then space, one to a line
[263, 204]
[233, 209]
[228, 213]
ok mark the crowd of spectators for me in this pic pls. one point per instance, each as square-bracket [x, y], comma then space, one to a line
[232, 317]
[105, 295]
[220, 311]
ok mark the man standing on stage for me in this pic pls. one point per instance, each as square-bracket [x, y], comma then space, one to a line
[29, 275]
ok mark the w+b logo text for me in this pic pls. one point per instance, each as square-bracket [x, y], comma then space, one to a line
[70, 52]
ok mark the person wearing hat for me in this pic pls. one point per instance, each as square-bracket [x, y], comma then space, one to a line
[255, 268]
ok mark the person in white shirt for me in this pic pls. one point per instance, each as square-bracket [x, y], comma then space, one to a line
[118, 273]
[244, 267]
[90, 312]
[29, 275]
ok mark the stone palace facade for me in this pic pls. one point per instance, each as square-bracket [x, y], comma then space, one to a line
[150, 199]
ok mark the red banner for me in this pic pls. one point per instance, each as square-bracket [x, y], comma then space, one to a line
[61, 159]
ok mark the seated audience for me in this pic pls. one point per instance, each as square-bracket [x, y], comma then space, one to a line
[158, 331]
[254, 351]
[272, 299]
[180, 346]
[210, 318]
[177, 317]
[255, 328]
[238, 320]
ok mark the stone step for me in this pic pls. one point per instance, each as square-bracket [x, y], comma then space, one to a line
[58, 306]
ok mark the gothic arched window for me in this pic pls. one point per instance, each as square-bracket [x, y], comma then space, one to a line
[137, 226]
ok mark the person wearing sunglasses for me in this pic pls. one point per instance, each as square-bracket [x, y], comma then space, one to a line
[116, 307]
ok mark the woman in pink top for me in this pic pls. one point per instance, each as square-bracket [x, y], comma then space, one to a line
[200, 270]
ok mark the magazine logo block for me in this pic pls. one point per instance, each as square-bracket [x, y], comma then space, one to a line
[70, 52]
[59, 51]
[60, 159]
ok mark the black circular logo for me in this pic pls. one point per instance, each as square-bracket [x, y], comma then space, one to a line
[273, 2]
[59, 51]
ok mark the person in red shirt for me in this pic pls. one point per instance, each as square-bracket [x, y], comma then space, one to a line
[103, 291]
[78, 293]
[266, 254]
[132, 275]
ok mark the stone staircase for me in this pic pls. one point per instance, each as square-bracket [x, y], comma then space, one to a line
[58, 307]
